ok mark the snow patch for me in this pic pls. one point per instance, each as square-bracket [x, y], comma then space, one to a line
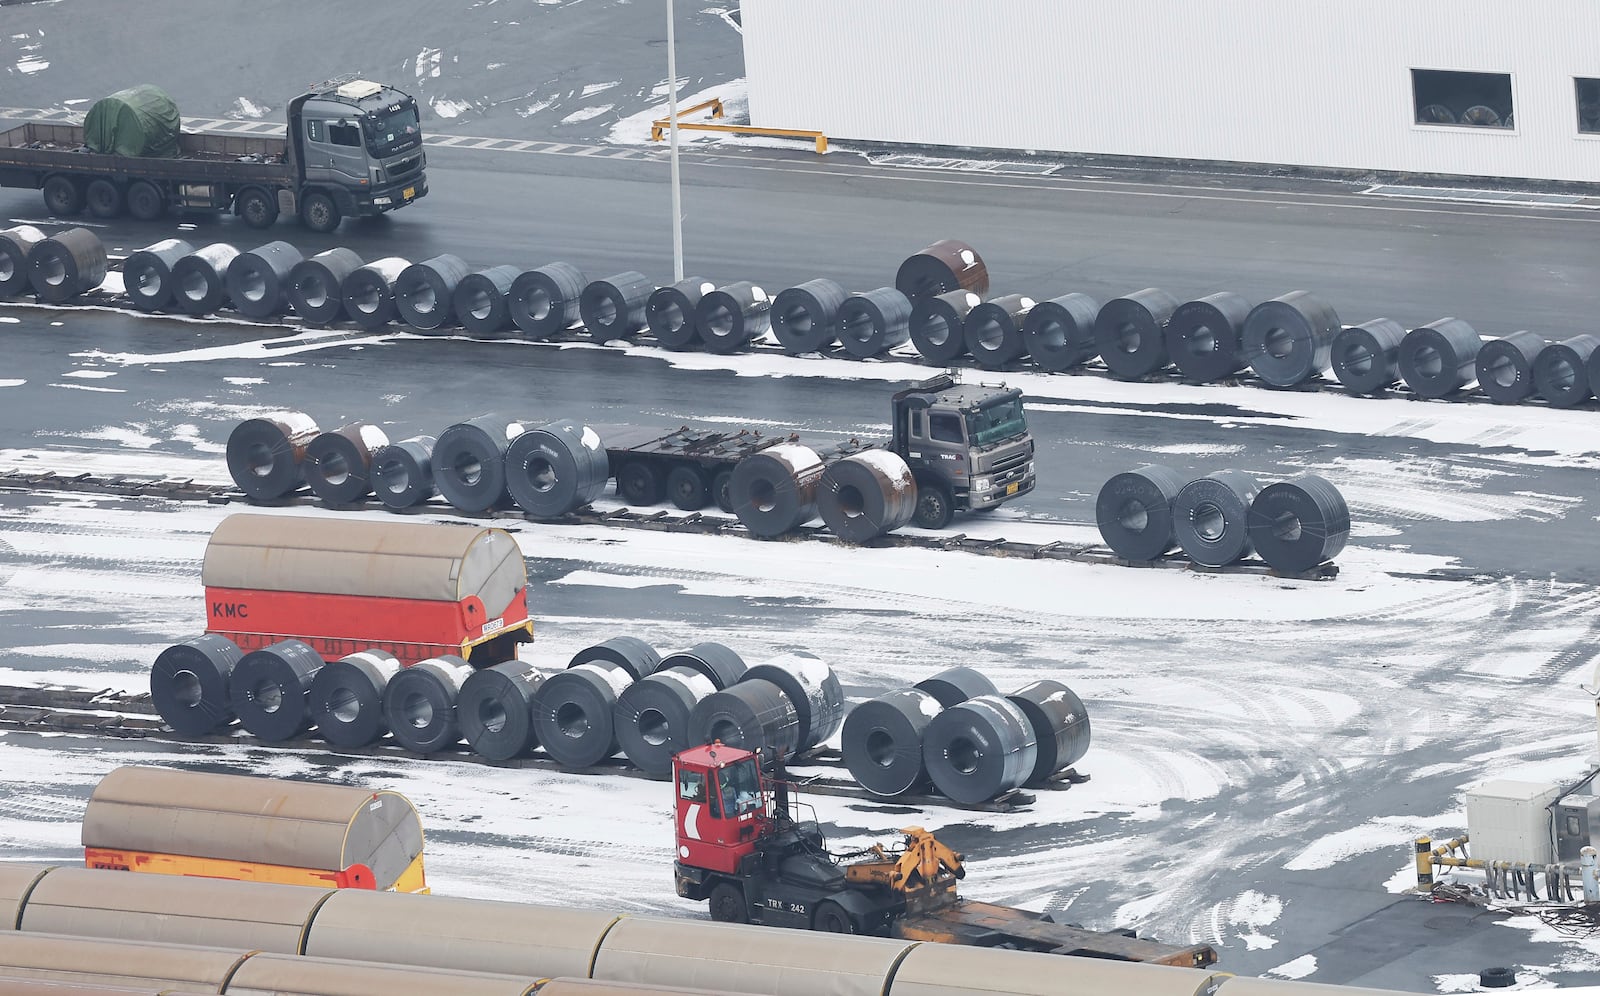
[12, 383]
[1299, 968]
[586, 113]
[30, 64]
[447, 108]
[244, 107]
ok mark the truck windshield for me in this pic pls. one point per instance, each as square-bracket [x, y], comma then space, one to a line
[740, 784]
[393, 129]
[995, 421]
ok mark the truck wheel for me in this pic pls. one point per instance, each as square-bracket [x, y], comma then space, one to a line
[722, 491]
[259, 209]
[62, 196]
[639, 484]
[832, 919]
[686, 486]
[319, 213]
[145, 202]
[935, 508]
[727, 904]
[103, 198]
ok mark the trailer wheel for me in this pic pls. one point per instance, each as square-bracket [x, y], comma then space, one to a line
[319, 213]
[727, 903]
[935, 507]
[103, 198]
[722, 491]
[62, 196]
[145, 201]
[258, 208]
[686, 486]
[639, 484]
[832, 919]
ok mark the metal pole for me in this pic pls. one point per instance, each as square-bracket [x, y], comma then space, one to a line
[672, 127]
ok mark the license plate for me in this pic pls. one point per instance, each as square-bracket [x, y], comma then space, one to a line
[1011, 489]
[409, 193]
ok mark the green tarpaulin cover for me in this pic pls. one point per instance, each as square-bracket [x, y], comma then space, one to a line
[138, 121]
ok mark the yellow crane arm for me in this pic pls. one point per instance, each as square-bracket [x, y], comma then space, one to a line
[920, 866]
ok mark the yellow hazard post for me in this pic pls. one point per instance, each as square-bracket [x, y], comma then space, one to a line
[1424, 864]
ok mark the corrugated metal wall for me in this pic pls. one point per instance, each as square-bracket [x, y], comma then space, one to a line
[1263, 81]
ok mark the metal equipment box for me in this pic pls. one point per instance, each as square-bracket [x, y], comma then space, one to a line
[1577, 819]
[1510, 821]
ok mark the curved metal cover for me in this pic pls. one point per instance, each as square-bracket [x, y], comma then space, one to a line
[341, 556]
[10, 985]
[274, 975]
[112, 904]
[1247, 985]
[597, 987]
[15, 881]
[461, 934]
[256, 820]
[115, 963]
[738, 958]
[954, 970]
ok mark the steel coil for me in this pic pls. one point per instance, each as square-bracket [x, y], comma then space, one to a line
[200, 279]
[873, 323]
[346, 697]
[1366, 357]
[545, 301]
[775, 490]
[979, 749]
[1130, 333]
[15, 244]
[469, 462]
[1297, 525]
[259, 279]
[420, 704]
[753, 715]
[1211, 518]
[955, 685]
[574, 713]
[189, 684]
[265, 455]
[1060, 726]
[1059, 333]
[369, 292]
[882, 741]
[1440, 358]
[402, 473]
[731, 316]
[66, 265]
[670, 313]
[338, 464]
[557, 468]
[652, 717]
[804, 317]
[1205, 337]
[938, 325]
[814, 691]
[1289, 339]
[630, 653]
[1504, 367]
[268, 691]
[866, 495]
[1562, 374]
[424, 293]
[947, 265]
[1591, 366]
[613, 308]
[1134, 512]
[482, 300]
[719, 663]
[146, 273]
[496, 710]
[316, 285]
[993, 331]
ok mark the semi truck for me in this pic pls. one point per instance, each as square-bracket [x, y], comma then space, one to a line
[353, 148]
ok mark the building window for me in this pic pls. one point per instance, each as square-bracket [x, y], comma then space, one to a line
[1588, 106]
[1475, 100]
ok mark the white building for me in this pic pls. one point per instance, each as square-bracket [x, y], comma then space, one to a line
[1467, 87]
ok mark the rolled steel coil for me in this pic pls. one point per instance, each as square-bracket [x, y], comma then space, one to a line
[720, 664]
[15, 244]
[276, 974]
[346, 697]
[557, 468]
[1440, 358]
[938, 325]
[873, 323]
[1059, 333]
[1366, 357]
[1563, 373]
[630, 653]
[66, 265]
[1060, 726]
[670, 313]
[1205, 337]
[804, 318]
[316, 285]
[1211, 517]
[496, 709]
[265, 455]
[574, 713]
[732, 315]
[268, 691]
[258, 280]
[424, 292]
[402, 473]
[955, 685]
[1504, 367]
[652, 717]
[146, 273]
[482, 300]
[947, 265]
[1289, 339]
[1130, 333]
[1297, 525]
[814, 691]
[754, 715]
[189, 684]
[36, 963]
[613, 308]
[368, 292]
[979, 749]
[469, 462]
[200, 279]
[994, 331]
[1134, 512]
[882, 741]
[420, 704]
[545, 301]
[866, 495]
[338, 464]
[775, 490]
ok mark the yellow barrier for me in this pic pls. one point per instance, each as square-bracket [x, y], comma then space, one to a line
[658, 128]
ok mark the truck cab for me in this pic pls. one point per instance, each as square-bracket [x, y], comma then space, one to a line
[968, 447]
[359, 146]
